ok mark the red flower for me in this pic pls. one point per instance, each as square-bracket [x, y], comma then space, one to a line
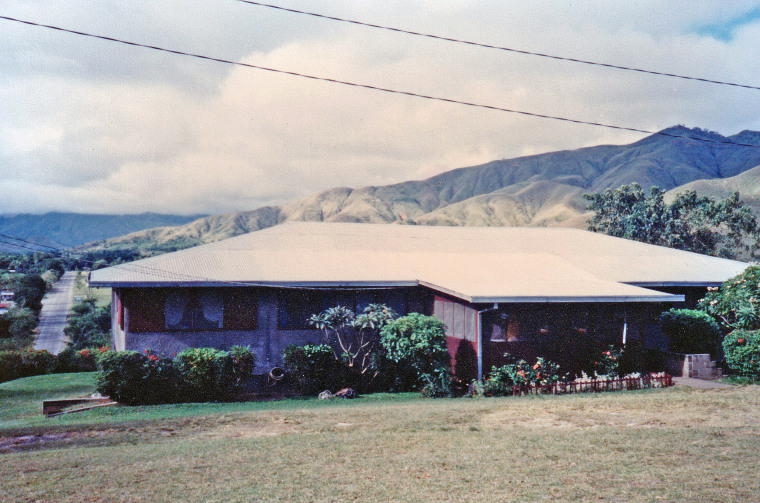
[85, 352]
[740, 341]
[536, 366]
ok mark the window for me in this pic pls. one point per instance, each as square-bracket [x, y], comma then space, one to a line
[296, 307]
[194, 310]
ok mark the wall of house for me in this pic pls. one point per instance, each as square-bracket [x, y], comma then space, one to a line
[118, 341]
[461, 320]
[258, 317]
[570, 334]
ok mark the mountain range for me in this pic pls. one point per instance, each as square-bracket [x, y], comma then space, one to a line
[539, 190]
[65, 230]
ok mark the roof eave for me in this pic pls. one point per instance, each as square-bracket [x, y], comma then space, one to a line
[580, 299]
[272, 284]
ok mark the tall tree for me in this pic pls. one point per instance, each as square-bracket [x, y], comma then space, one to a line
[699, 224]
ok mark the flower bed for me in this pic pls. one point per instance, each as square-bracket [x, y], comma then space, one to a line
[597, 384]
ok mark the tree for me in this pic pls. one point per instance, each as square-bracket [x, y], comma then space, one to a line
[357, 337]
[29, 291]
[699, 224]
[736, 303]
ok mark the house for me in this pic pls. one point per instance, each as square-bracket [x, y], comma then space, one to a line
[6, 301]
[554, 292]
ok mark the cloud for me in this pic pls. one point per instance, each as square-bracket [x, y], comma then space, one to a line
[97, 127]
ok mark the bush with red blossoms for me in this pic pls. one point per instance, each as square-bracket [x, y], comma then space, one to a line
[742, 351]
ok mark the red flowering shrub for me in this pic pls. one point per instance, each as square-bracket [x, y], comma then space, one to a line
[742, 351]
[609, 362]
[502, 380]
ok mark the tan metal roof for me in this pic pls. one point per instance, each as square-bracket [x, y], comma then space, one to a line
[478, 264]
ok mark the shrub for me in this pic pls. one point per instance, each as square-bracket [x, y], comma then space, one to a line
[742, 351]
[27, 362]
[502, 380]
[132, 378]
[10, 365]
[437, 384]
[691, 331]
[314, 367]
[418, 343]
[243, 363]
[36, 362]
[609, 362]
[205, 374]
[121, 376]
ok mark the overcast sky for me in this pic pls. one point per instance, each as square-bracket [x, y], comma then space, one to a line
[98, 127]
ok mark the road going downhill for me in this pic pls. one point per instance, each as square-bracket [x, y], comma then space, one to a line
[55, 309]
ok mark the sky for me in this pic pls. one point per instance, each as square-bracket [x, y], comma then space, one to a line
[91, 126]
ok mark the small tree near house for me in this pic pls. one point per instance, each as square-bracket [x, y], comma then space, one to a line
[354, 339]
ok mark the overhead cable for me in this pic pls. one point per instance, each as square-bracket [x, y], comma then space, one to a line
[382, 89]
[500, 48]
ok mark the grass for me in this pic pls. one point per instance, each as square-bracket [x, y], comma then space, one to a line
[659, 445]
[82, 289]
[739, 380]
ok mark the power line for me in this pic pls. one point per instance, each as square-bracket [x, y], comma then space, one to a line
[497, 47]
[378, 88]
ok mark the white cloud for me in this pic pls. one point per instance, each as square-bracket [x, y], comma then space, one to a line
[97, 127]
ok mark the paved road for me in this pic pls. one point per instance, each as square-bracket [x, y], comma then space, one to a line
[55, 309]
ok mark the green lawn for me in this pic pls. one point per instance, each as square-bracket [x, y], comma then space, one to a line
[659, 445]
[102, 296]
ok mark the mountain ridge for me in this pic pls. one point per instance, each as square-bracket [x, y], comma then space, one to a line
[540, 189]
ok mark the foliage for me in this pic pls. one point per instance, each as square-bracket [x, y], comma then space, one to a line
[243, 363]
[698, 224]
[89, 326]
[83, 360]
[356, 337]
[736, 303]
[132, 378]
[123, 377]
[205, 374]
[609, 362]
[437, 385]
[24, 363]
[30, 288]
[418, 343]
[691, 331]
[314, 367]
[18, 323]
[195, 374]
[502, 380]
[742, 351]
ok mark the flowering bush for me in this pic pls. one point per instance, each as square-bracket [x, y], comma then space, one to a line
[206, 374]
[736, 304]
[502, 380]
[742, 351]
[609, 362]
